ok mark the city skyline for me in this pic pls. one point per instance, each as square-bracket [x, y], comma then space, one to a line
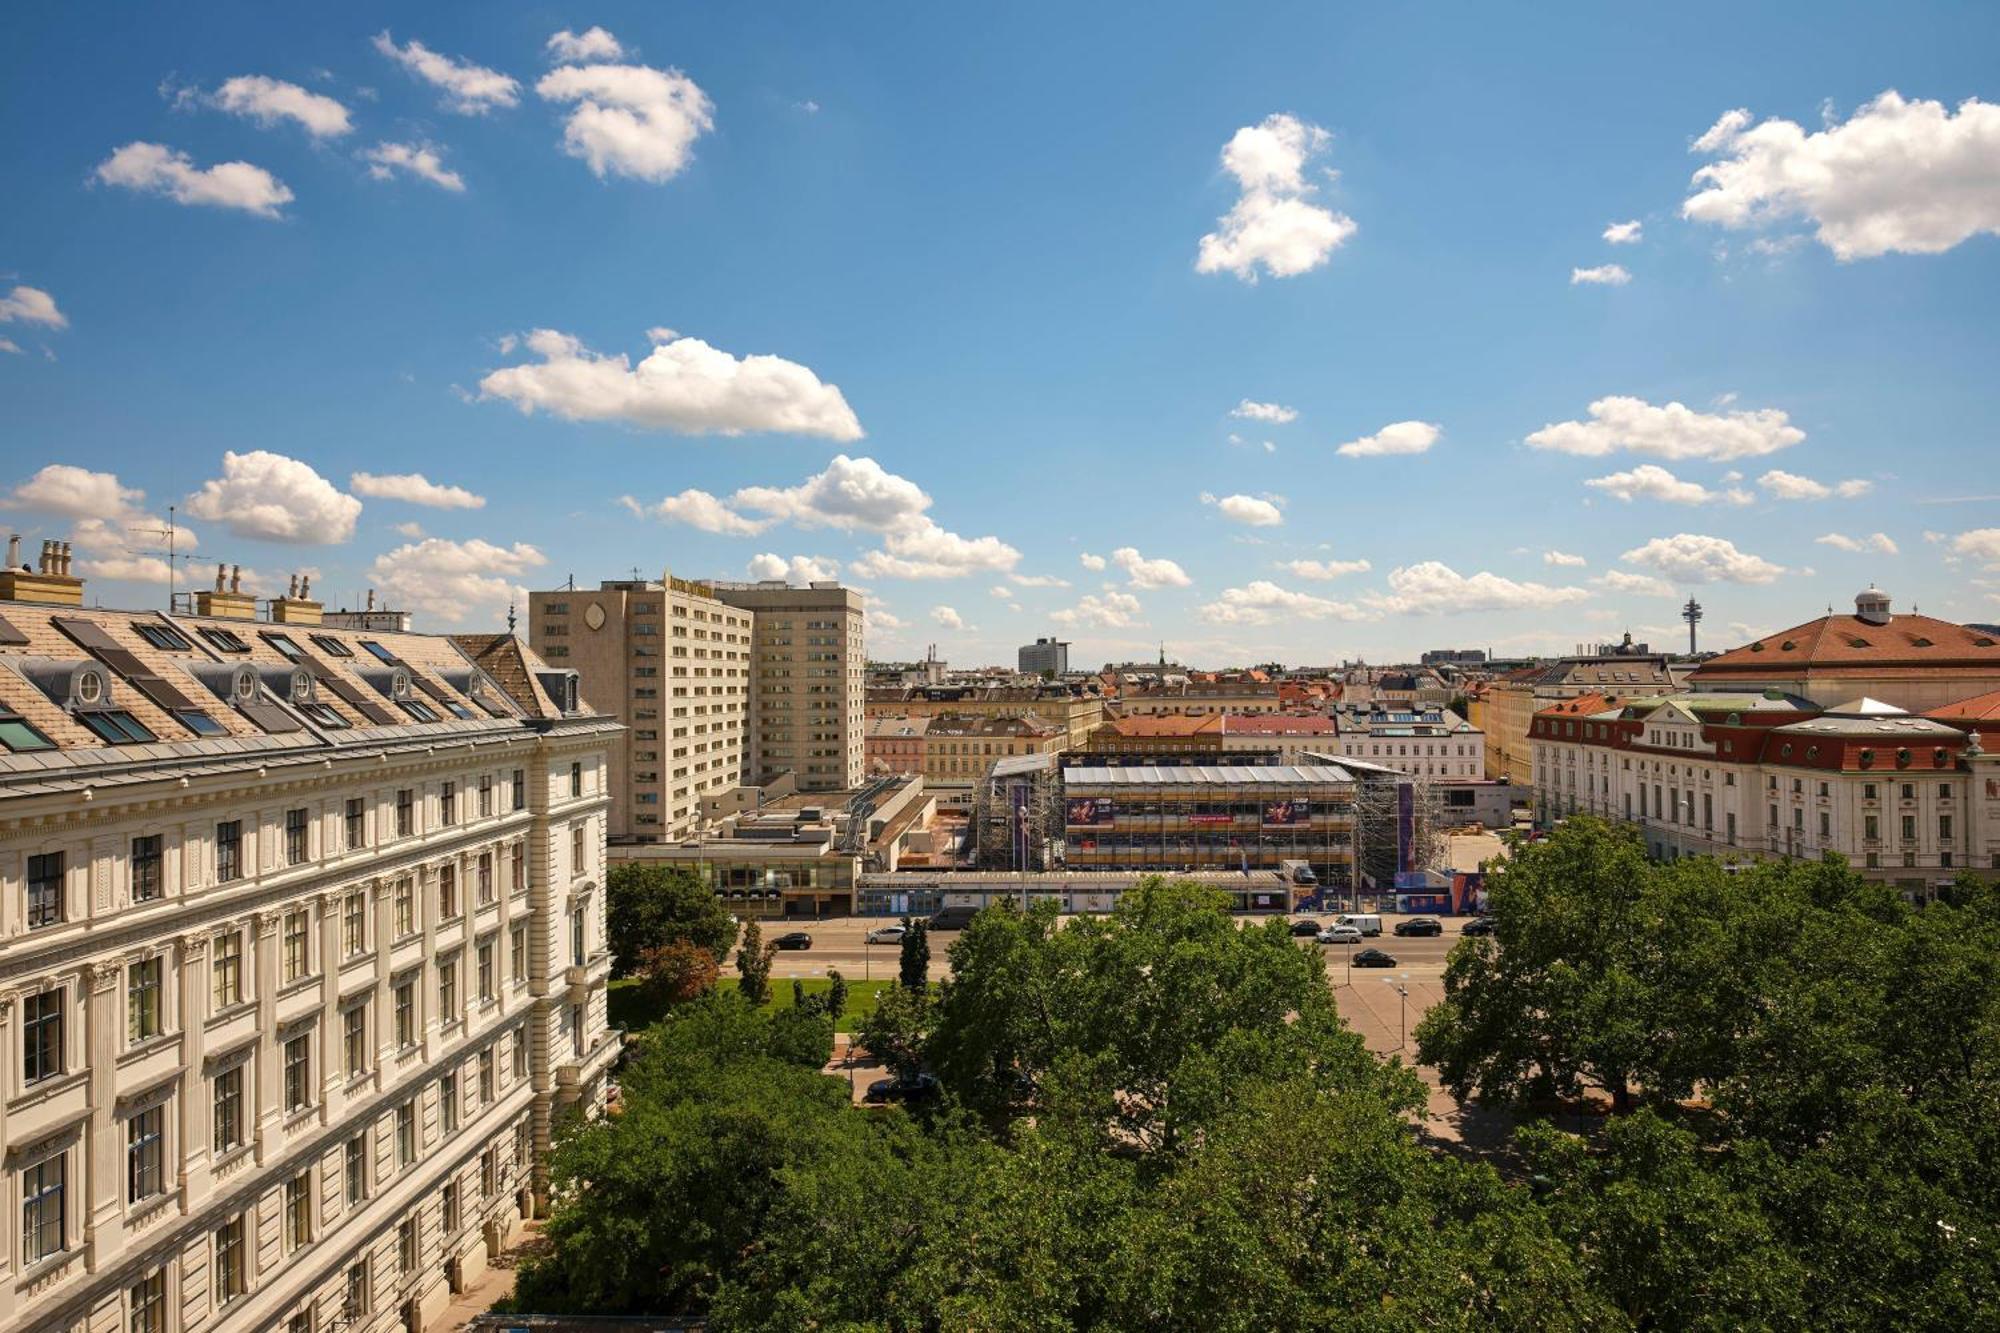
[1392, 337]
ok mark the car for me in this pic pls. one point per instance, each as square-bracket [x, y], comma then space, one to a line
[1374, 958]
[919, 1087]
[1338, 934]
[1479, 925]
[887, 934]
[1305, 925]
[796, 939]
[1420, 925]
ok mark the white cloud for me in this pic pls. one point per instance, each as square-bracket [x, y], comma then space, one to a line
[1897, 176]
[1602, 275]
[1248, 509]
[882, 619]
[1261, 602]
[849, 494]
[1272, 223]
[1875, 543]
[1624, 233]
[1114, 610]
[1432, 586]
[1093, 563]
[1144, 573]
[73, 492]
[1650, 481]
[31, 305]
[1564, 559]
[1274, 413]
[699, 509]
[630, 120]
[455, 581]
[11, 347]
[1003, 592]
[683, 385]
[413, 488]
[469, 89]
[1791, 486]
[1982, 544]
[1691, 558]
[947, 617]
[153, 168]
[270, 497]
[268, 101]
[1322, 570]
[928, 551]
[798, 569]
[1643, 585]
[1672, 432]
[412, 530]
[593, 44]
[418, 159]
[1399, 437]
[1038, 581]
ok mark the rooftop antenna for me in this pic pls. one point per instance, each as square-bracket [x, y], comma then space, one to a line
[1692, 614]
[510, 620]
[170, 532]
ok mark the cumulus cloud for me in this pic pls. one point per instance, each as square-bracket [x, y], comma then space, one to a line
[413, 488]
[416, 159]
[152, 168]
[798, 569]
[412, 530]
[1398, 437]
[629, 120]
[1003, 592]
[73, 492]
[469, 89]
[1322, 570]
[1274, 413]
[1248, 509]
[683, 385]
[593, 44]
[1671, 432]
[1650, 481]
[1038, 581]
[1624, 233]
[883, 619]
[927, 551]
[1431, 586]
[1897, 176]
[12, 348]
[111, 531]
[1262, 602]
[1791, 486]
[1274, 225]
[270, 497]
[1602, 275]
[1093, 563]
[947, 617]
[1875, 543]
[1643, 585]
[1144, 573]
[455, 581]
[1564, 559]
[268, 101]
[699, 509]
[31, 305]
[1691, 558]
[1114, 610]
[849, 493]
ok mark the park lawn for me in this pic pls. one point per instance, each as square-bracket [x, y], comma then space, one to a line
[631, 1010]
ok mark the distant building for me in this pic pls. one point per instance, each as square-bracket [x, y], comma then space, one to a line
[807, 686]
[1044, 655]
[1078, 711]
[1508, 703]
[371, 618]
[1454, 657]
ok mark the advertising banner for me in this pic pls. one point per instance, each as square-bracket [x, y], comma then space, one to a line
[1089, 810]
[1284, 814]
[1212, 819]
[1018, 798]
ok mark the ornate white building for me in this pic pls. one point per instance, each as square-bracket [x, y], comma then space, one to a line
[301, 953]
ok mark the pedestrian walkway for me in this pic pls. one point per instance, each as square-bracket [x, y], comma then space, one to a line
[491, 1287]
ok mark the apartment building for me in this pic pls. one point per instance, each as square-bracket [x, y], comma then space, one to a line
[959, 749]
[1043, 657]
[672, 659]
[1077, 711]
[301, 955]
[807, 683]
[1508, 703]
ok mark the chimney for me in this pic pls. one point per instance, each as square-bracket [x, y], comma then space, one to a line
[226, 603]
[49, 581]
[296, 607]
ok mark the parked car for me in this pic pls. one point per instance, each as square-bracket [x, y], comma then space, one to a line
[796, 939]
[887, 934]
[919, 1087]
[1420, 925]
[1338, 934]
[1479, 925]
[1305, 925]
[1368, 923]
[1374, 958]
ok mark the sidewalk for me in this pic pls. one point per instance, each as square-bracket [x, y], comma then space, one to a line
[492, 1286]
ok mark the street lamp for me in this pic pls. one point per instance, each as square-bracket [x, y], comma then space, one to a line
[1402, 988]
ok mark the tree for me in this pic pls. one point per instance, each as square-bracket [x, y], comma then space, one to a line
[677, 971]
[753, 965]
[836, 994]
[896, 1031]
[649, 905]
[914, 964]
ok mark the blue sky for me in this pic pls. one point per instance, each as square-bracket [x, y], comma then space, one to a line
[920, 297]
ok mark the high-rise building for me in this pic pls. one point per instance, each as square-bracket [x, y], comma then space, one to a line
[671, 659]
[1050, 655]
[301, 953]
[808, 684]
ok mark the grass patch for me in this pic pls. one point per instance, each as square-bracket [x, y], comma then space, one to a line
[632, 1009]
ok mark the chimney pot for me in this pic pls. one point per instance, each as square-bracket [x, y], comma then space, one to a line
[236, 578]
[13, 549]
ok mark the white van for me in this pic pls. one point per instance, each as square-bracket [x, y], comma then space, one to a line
[1368, 923]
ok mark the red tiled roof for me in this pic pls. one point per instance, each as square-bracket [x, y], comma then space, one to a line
[1979, 708]
[1832, 642]
[1582, 704]
[1277, 724]
[1171, 724]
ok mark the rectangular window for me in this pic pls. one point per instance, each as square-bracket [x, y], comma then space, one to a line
[148, 868]
[447, 892]
[448, 804]
[354, 924]
[485, 794]
[486, 1075]
[1871, 828]
[142, 1000]
[517, 949]
[355, 1168]
[406, 908]
[1909, 828]
[229, 1109]
[576, 933]
[149, 1303]
[406, 1135]
[575, 778]
[43, 1228]
[485, 878]
[520, 1050]
[354, 1305]
[357, 823]
[406, 1245]
[145, 1151]
[489, 1173]
[229, 851]
[520, 789]
[406, 812]
[297, 928]
[485, 966]
[1944, 828]
[354, 1039]
[298, 1072]
[45, 890]
[448, 1102]
[226, 971]
[298, 1212]
[230, 1274]
[41, 1035]
[519, 872]
[295, 837]
[576, 862]
[447, 989]
[451, 1213]
[406, 1015]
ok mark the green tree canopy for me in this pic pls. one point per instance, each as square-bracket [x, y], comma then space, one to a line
[649, 906]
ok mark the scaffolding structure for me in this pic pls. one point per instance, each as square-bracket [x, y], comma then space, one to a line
[1016, 819]
[1398, 825]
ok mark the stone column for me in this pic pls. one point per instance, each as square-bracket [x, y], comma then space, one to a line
[267, 1109]
[332, 1050]
[195, 1127]
[104, 1031]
